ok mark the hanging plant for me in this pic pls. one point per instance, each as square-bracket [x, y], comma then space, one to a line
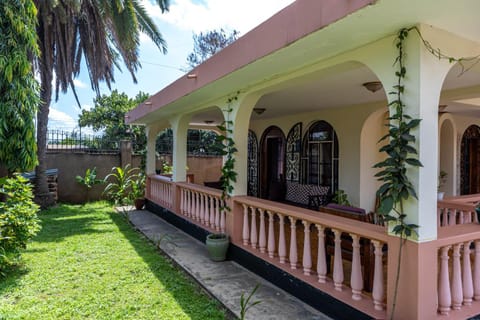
[227, 149]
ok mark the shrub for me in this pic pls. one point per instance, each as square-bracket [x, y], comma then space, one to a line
[18, 219]
[119, 190]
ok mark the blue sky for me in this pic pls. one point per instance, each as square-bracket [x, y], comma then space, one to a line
[185, 18]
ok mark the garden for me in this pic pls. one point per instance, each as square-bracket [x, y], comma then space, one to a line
[86, 261]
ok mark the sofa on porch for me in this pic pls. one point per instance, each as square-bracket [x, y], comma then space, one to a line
[297, 194]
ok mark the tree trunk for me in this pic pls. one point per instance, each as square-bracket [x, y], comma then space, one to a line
[42, 196]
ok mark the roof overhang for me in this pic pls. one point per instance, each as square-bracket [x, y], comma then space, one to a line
[301, 34]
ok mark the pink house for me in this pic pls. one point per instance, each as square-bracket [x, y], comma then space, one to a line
[311, 87]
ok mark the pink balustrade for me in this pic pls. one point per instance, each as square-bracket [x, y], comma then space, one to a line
[456, 211]
[459, 271]
[295, 240]
[202, 205]
[160, 190]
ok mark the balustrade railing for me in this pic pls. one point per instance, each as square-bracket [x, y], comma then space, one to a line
[160, 191]
[203, 205]
[452, 212]
[458, 269]
[303, 242]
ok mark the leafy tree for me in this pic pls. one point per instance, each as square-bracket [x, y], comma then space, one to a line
[207, 44]
[19, 91]
[108, 114]
[100, 33]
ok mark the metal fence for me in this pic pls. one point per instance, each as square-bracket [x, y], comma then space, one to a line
[58, 140]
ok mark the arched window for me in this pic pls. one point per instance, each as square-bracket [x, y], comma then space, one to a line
[470, 161]
[320, 156]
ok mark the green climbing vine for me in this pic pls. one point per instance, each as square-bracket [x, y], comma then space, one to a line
[227, 149]
[400, 149]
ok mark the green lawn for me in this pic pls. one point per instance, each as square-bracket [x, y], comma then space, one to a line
[88, 263]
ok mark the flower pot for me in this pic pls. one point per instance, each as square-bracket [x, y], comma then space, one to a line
[217, 246]
[139, 203]
[440, 195]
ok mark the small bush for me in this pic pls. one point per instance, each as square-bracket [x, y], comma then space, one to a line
[123, 188]
[18, 219]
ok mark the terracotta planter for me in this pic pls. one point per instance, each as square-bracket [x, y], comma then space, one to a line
[139, 203]
[217, 246]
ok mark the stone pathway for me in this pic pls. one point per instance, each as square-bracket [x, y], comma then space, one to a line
[227, 280]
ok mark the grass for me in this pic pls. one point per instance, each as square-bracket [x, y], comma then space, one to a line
[88, 263]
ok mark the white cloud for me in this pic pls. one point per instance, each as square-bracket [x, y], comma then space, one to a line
[86, 107]
[59, 120]
[79, 84]
[214, 14]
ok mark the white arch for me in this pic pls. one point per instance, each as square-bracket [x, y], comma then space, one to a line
[373, 129]
[448, 152]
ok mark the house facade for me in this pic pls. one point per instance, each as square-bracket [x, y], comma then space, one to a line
[307, 94]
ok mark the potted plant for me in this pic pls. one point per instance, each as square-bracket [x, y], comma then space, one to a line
[442, 179]
[138, 190]
[217, 246]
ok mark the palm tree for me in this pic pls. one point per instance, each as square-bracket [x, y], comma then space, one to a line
[99, 32]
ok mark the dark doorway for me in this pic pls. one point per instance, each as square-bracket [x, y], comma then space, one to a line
[272, 157]
[470, 164]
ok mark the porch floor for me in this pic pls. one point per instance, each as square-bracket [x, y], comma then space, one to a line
[226, 281]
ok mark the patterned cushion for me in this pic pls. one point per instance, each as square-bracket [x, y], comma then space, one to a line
[299, 193]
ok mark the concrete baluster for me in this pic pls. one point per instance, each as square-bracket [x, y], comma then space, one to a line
[338, 276]
[451, 217]
[246, 229]
[211, 210]
[282, 247]
[356, 280]
[476, 271]
[378, 290]
[457, 291]
[293, 243]
[223, 222]
[307, 250]
[203, 213]
[444, 293]
[262, 242]
[217, 214]
[182, 198]
[271, 235]
[253, 228]
[196, 206]
[321, 256]
[467, 281]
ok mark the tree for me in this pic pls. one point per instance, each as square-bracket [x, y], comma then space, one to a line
[100, 33]
[108, 114]
[19, 91]
[207, 44]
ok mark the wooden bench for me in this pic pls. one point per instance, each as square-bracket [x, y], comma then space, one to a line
[366, 250]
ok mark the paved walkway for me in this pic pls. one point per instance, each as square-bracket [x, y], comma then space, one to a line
[227, 280]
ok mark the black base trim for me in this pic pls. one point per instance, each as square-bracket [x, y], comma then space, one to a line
[319, 300]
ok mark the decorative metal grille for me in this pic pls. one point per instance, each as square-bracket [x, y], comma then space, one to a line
[471, 135]
[252, 178]
[294, 147]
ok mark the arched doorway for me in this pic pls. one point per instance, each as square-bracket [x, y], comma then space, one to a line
[320, 156]
[470, 161]
[272, 168]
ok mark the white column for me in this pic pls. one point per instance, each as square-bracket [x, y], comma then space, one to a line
[152, 133]
[422, 86]
[240, 115]
[179, 156]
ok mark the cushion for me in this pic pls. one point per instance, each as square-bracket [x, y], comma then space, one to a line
[299, 193]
